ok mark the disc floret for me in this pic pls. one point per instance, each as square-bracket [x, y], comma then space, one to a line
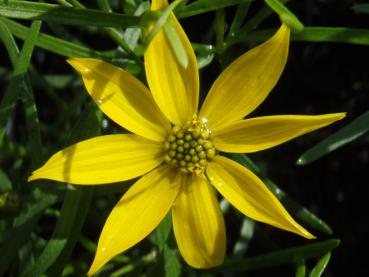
[189, 147]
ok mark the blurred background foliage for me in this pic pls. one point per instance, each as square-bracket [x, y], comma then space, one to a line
[51, 229]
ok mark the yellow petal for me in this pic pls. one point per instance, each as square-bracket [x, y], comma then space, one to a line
[260, 133]
[122, 97]
[175, 88]
[249, 195]
[137, 213]
[158, 4]
[102, 160]
[198, 224]
[247, 81]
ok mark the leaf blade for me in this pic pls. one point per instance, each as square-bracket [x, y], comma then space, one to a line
[347, 134]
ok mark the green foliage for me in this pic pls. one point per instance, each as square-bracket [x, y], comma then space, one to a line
[53, 229]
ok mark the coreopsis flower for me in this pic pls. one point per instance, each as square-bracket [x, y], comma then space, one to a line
[177, 148]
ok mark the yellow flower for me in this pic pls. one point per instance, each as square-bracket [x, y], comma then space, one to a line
[177, 149]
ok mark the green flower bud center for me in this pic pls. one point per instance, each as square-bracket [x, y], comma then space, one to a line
[189, 148]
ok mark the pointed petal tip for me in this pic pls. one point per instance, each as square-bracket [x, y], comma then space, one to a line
[32, 178]
[71, 61]
[333, 117]
[92, 270]
[97, 263]
[77, 64]
[341, 115]
[34, 175]
[304, 233]
[337, 116]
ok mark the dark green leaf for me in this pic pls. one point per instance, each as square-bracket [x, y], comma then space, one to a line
[246, 234]
[281, 257]
[238, 18]
[161, 234]
[203, 6]
[301, 269]
[172, 265]
[285, 15]
[310, 34]
[24, 223]
[321, 265]
[65, 15]
[5, 184]
[361, 8]
[53, 44]
[347, 134]
[8, 40]
[333, 34]
[76, 203]
[258, 18]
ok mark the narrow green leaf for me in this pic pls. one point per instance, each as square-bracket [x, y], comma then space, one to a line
[321, 265]
[176, 44]
[5, 184]
[26, 95]
[258, 18]
[219, 34]
[246, 234]
[281, 257]
[172, 265]
[132, 35]
[286, 16]
[168, 264]
[301, 269]
[9, 42]
[162, 19]
[203, 6]
[161, 234]
[24, 223]
[76, 204]
[10, 95]
[361, 8]
[309, 34]
[238, 18]
[27, 49]
[65, 15]
[292, 206]
[347, 134]
[20, 87]
[32, 123]
[53, 44]
[18, 83]
[333, 34]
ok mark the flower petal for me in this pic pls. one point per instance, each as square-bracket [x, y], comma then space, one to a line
[175, 88]
[122, 97]
[101, 160]
[247, 81]
[137, 213]
[249, 195]
[260, 133]
[198, 224]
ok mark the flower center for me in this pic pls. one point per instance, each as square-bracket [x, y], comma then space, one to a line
[189, 147]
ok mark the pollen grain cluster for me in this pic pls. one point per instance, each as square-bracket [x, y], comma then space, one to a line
[189, 147]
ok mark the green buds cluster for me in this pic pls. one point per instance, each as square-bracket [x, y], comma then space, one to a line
[189, 148]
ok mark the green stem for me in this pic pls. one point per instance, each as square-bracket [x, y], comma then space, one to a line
[219, 30]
